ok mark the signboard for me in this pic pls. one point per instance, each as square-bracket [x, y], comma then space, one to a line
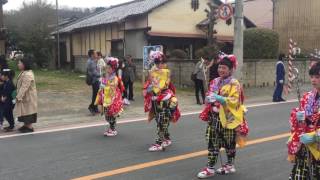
[147, 64]
[225, 11]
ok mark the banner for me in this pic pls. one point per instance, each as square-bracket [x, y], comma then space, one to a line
[147, 63]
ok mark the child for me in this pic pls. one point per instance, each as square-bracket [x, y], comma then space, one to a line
[109, 98]
[160, 100]
[303, 145]
[7, 99]
[224, 113]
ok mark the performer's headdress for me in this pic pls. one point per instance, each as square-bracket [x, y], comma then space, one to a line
[112, 62]
[157, 57]
[228, 60]
[8, 72]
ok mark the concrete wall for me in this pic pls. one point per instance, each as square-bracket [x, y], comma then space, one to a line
[262, 73]
[256, 73]
[80, 63]
[134, 42]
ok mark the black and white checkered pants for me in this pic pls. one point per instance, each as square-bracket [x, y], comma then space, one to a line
[219, 137]
[305, 166]
[163, 122]
[112, 121]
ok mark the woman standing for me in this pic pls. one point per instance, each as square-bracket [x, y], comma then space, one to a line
[26, 98]
[200, 79]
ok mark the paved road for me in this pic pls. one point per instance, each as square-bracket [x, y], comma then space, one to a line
[82, 152]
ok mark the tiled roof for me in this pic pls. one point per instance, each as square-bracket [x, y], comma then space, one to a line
[115, 14]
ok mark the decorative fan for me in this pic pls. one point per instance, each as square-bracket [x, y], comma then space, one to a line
[195, 4]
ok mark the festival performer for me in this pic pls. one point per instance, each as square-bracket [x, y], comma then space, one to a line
[160, 100]
[109, 98]
[224, 113]
[304, 142]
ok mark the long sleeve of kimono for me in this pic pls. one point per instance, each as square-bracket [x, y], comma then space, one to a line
[297, 128]
[233, 105]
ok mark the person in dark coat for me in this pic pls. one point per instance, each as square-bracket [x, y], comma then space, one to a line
[3, 63]
[7, 98]
[213, 69]
[128, 77]
[1, 105]
[280, 76]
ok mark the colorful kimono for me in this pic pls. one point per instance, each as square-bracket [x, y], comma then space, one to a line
[226, 123]
[109, 98]
[160, 101]
[306, 157]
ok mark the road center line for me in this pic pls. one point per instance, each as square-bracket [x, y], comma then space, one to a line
[123, 121]
[170, 160]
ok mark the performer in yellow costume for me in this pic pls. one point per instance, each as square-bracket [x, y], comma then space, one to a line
[109, 98]
[160, 100]
[224, 113]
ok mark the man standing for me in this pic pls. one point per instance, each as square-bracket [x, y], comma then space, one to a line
[129, 75]
[93, 73]
[280, 75]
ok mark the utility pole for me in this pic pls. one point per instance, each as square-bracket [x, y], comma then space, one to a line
[58, 35]
[238, 37]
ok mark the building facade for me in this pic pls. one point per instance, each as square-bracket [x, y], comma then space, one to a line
[299, 20]
[124, 29]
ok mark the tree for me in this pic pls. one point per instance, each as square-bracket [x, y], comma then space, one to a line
[29, 30]
[212, 20]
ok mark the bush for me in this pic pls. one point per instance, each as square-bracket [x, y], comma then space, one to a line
[207, 52]
[260, 43]
[178, 54]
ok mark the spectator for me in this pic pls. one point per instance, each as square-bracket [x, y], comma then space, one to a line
[1, 105]
[3, 63]
[26, 98]
[6, 98]
[92, 72]
[128, 77]
[213, 69]
[280, 75]
[101, 64]
[200, 72]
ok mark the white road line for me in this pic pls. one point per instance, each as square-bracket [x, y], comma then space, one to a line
[124, 121]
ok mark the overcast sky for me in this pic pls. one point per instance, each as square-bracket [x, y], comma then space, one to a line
[15, 4]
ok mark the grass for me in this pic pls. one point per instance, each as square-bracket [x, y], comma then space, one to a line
[55, 80]
[67, 81]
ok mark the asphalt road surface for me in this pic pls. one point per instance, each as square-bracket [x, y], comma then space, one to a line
[86, 154]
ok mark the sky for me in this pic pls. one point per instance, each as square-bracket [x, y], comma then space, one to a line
[16, 4]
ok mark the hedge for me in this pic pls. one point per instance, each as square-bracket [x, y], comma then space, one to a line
[260, 43]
